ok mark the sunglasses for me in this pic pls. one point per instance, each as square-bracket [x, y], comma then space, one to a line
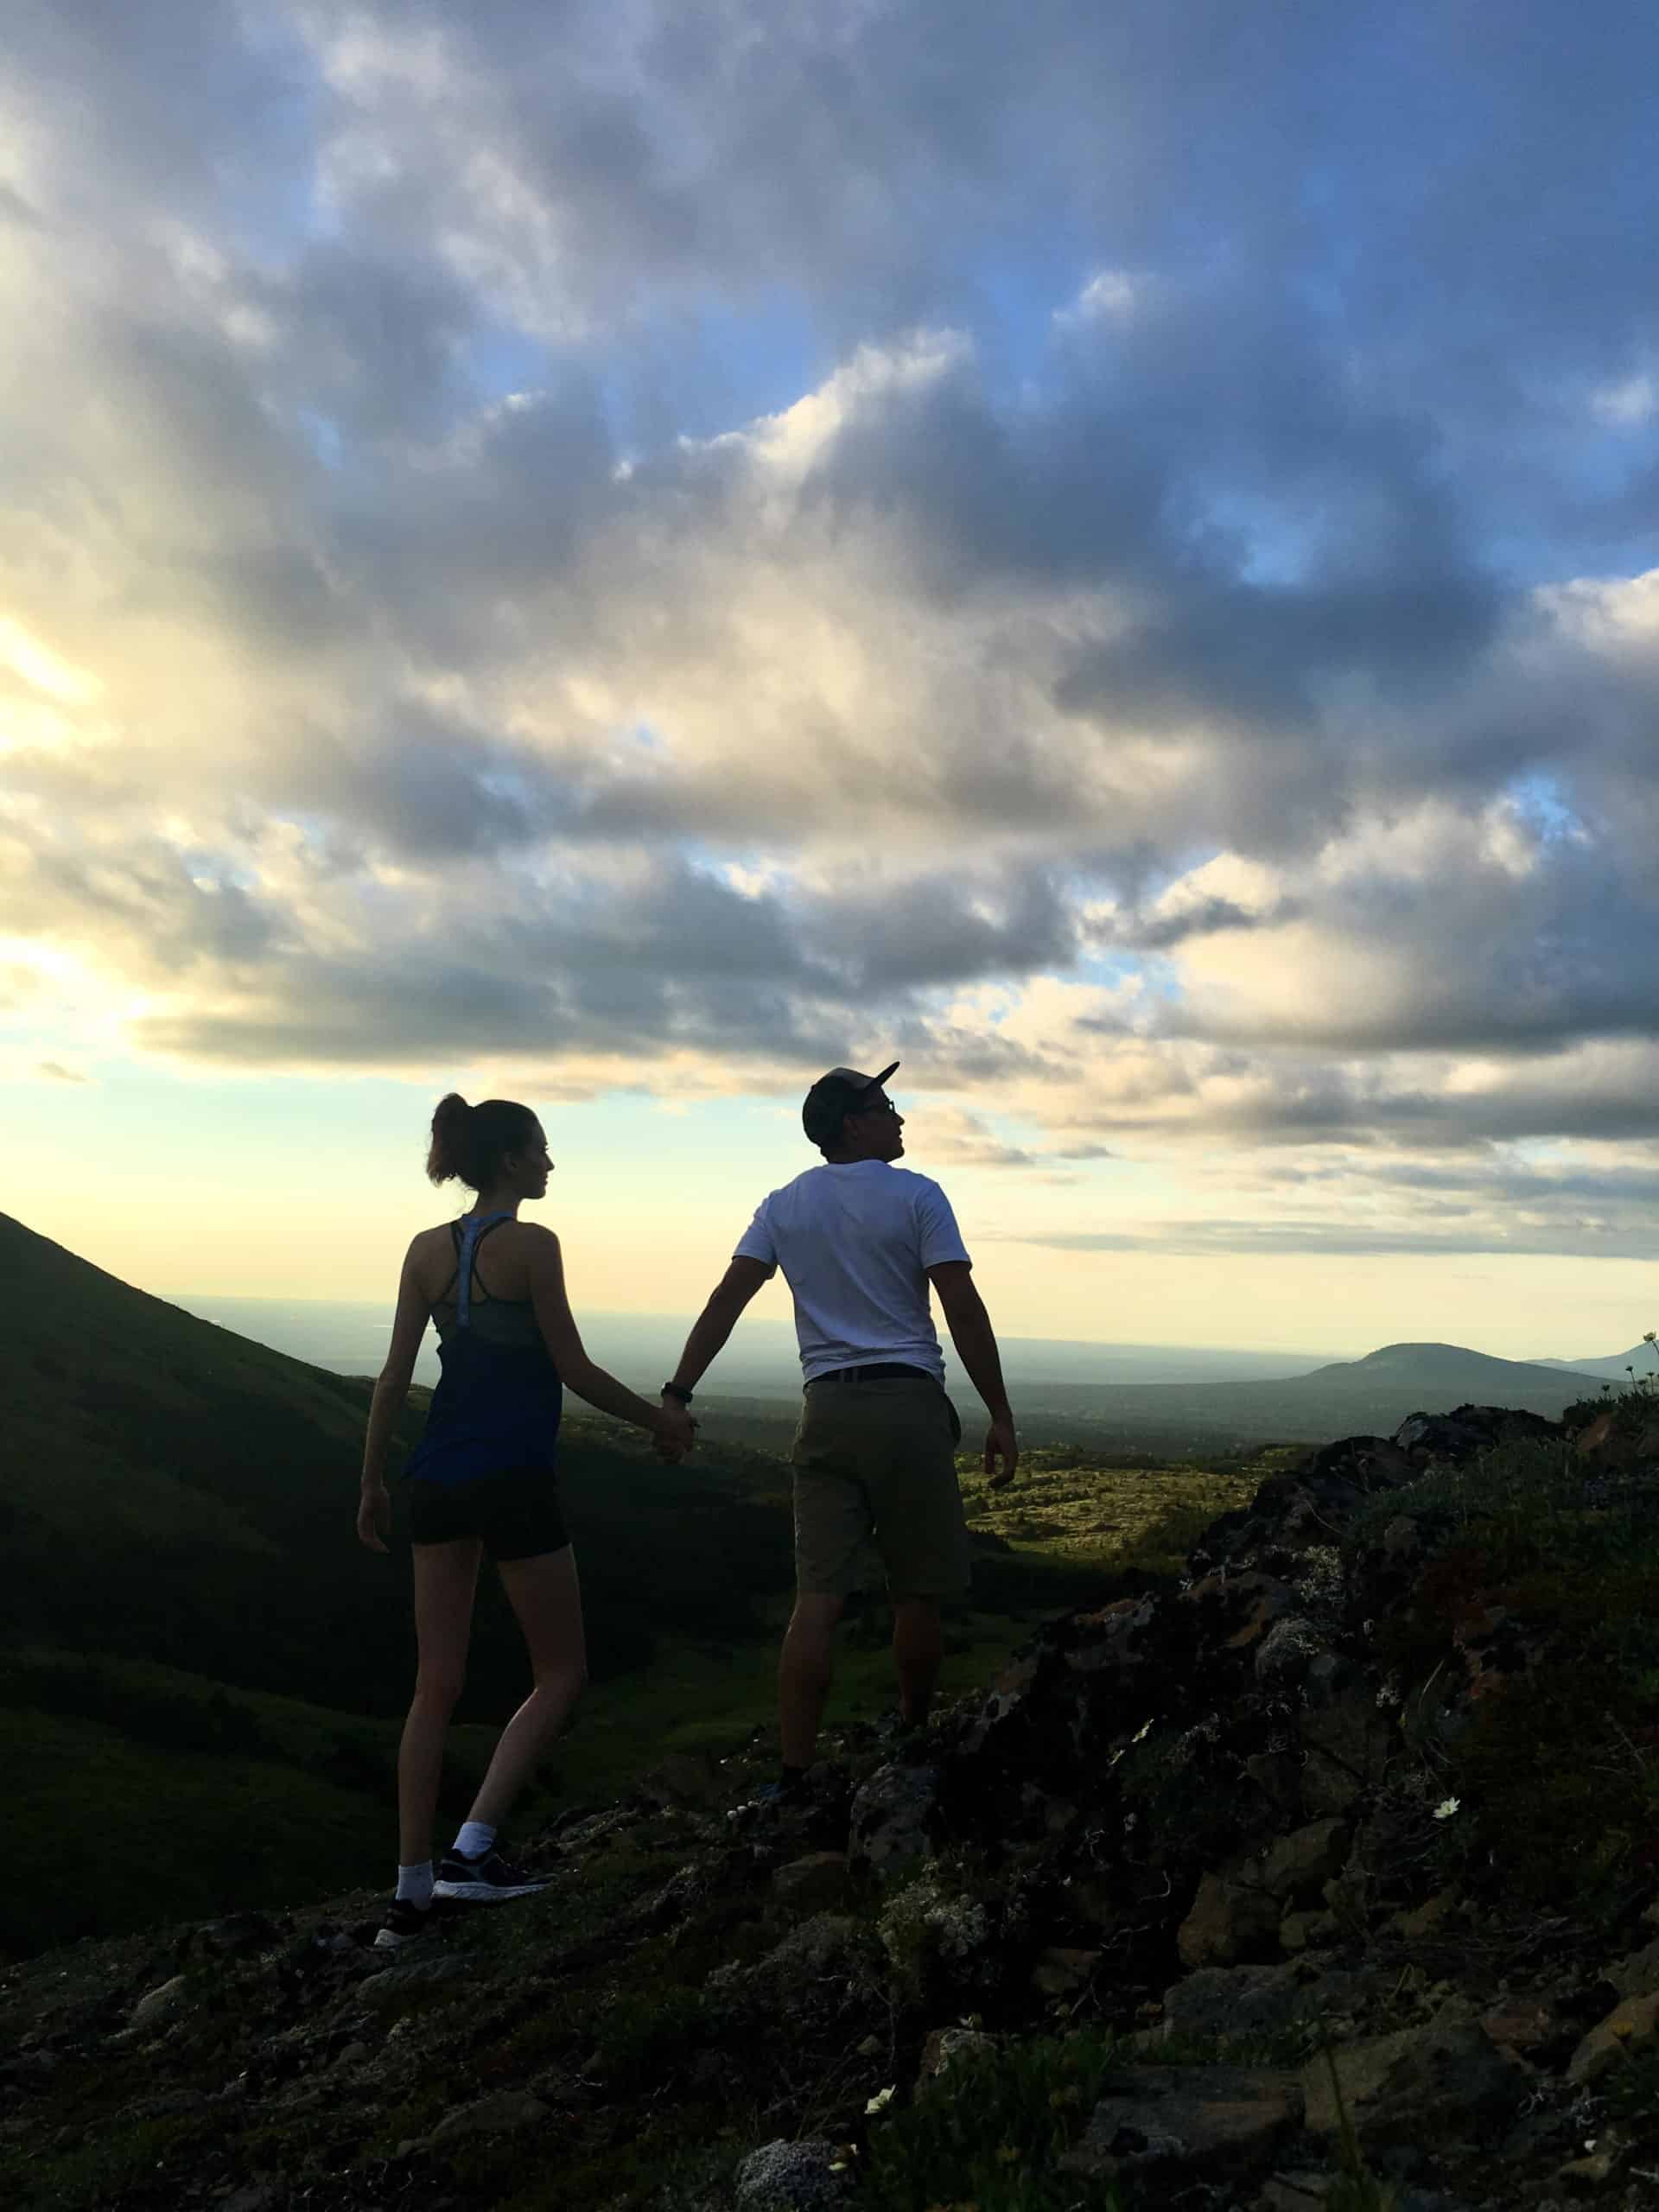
[877, 1106]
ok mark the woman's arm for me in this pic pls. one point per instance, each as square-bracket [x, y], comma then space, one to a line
[563, 1340]
[391, 1397]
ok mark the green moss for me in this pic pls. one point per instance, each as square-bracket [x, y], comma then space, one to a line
[101, 2165]
[991, 2131]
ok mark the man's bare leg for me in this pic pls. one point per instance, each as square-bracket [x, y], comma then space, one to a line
[805, 1667]
[917, 1653]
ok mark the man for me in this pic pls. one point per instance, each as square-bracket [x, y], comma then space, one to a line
[858, 1241]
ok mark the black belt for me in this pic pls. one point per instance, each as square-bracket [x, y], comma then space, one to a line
[881, 1371]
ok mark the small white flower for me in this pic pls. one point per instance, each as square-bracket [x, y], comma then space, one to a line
[881, 2099]
[1446, 1806]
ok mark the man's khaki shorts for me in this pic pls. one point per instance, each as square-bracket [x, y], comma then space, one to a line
[876, 1462]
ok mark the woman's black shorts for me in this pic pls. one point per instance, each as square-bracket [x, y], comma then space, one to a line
[516, 1513]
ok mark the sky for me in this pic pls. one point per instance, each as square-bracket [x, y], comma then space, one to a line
[622, 555]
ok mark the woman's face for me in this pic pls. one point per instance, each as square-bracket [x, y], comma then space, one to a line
[533, 1165]
[530, 1169]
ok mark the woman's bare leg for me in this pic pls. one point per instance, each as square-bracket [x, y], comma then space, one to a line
[446, 1577]
[547, 1597]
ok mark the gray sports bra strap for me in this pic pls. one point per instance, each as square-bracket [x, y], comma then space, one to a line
[472, 1231]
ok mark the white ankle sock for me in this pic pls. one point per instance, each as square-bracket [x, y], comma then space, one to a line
[475, 1839]
[415, 1883]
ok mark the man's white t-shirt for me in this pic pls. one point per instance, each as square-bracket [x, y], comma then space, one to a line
[854, 1243]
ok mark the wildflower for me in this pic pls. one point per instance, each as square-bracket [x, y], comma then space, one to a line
[1446, 1806]
[881, 2099]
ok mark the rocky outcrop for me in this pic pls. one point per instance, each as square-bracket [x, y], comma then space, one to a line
[1187, 1878]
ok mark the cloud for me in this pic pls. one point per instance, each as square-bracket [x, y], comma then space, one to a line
[660, 555]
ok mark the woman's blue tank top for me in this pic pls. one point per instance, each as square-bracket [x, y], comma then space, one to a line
[496, 1408]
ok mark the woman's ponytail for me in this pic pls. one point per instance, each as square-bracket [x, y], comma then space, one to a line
[469, 1143]
[448, 1157]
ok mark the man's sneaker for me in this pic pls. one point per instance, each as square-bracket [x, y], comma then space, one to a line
[404, 1924]
[488, 1879]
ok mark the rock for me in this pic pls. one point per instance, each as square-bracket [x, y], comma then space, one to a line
[1413, 2085]
[808, 1884]
[792, 2177]
[1293, 2192]
[1286, 1651]
[385, 1991]
[1114, 1640]
[1608, 1442]
[1187, 2124]
[1422, 1920]
[1060, 1969]
[1631, 2021]
[499, 2114]
[252, 2196]
[1637, 1975]
[1517, 2024]
[1253, 2001]
[235, 1935]
[1240, 1609]
[1300, 1863]
[688, 1778]
[892, 1816]
[1466, 1430]
[160, 2003]
[1277, 1776]
[1587, 2173]
[1346, 1746]
[1228, 1925]
[1233, 2001]
[948, 2047]
[820, 1947]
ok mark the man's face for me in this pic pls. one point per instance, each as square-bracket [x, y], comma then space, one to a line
[877, 1129]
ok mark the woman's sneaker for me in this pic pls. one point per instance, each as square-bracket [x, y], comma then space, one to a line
[404, 1924]
[488, 1879]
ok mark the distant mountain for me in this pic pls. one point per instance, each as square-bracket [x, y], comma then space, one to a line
[1615, 1366]
[1473, 1377]
[1361, 1396]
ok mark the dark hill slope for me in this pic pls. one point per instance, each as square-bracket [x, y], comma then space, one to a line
[170, 1490]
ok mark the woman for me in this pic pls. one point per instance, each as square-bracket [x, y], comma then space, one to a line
[482, 1478]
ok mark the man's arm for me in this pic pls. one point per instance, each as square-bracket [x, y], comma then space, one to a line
[975, 1342]
[718, 1319]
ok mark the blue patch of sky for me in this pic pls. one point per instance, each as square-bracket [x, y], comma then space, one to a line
[1009, 304]
[1111, 971]
[697, 374]
[323, 435]
[1540, 799]
[496, 359]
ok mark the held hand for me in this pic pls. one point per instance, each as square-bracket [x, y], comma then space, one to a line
[374, 1517]
[676, 1432]
[1001, 1453]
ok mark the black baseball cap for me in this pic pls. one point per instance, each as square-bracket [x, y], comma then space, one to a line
[841, 1093]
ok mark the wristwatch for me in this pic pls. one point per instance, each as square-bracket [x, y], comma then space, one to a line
[678, 1390]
